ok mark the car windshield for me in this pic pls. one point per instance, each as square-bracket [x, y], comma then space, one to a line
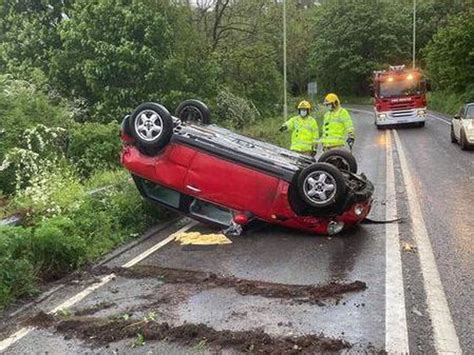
[400, 87]
[470, 112]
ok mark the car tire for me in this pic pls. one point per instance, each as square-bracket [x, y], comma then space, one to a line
[463, 141]
[421, 124]
[193, 111]
[152, 126]
[340, 158]
[322, 187]
[453, 136]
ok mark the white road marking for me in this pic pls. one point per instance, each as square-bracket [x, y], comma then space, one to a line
[12, 339]
[439, 119]
[445, 337]
[83, 294]
[159, 245]
[6, 343]
[396, 333]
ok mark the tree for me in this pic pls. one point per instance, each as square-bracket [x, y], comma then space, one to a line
[28, 32]
[353, 38]
[115, 54]
[450, 55]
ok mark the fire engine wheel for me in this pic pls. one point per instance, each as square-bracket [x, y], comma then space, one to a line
[322, 187]
[340, 158]
[193, 111]
[152, 126]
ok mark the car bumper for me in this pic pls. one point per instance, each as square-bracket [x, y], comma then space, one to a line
[470, 136]
[351, 217]
[390, 118]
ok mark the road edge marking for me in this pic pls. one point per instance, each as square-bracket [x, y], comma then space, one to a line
[159, 245]
[444, 332]
[18, 335]
[396, 330]
[439, 119]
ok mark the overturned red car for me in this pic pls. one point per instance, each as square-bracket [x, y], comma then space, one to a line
[220, 177]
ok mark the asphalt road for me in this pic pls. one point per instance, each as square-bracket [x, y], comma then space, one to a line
[418, 273]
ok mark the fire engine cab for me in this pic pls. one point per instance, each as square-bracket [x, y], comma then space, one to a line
[399, 97]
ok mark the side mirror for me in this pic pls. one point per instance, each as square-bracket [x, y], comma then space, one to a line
[456, 116]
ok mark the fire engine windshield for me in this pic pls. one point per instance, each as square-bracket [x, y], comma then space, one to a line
[400, 87]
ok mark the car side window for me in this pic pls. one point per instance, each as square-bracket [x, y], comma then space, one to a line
[469, 112]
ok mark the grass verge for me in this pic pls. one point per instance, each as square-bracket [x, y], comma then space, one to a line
[52, 243]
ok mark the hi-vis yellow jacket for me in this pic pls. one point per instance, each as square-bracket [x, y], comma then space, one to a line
[304, 133]
[337, 127]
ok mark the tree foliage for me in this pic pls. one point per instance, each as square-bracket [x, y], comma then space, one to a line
[450, 55]
[113, 54]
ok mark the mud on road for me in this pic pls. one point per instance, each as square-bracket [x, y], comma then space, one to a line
[102, 323]
[102, 331]
[298, 293]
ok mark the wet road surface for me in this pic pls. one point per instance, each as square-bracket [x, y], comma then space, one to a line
[429, 189]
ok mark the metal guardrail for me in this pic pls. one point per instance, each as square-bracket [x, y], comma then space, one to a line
[10, 221]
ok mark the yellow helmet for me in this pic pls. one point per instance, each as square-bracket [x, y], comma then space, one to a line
[304, 105]
[331, 99]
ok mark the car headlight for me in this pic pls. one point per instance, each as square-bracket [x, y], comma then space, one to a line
[358, 210]
[335, 227]
[381, 115]
[421, 113]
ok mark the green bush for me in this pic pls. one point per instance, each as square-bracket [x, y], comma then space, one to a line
[23, 106]
[235, 111]
[446, 102]
[93, 147]
[51, 192]
[17, 273]
[26, 114]
[57, 247]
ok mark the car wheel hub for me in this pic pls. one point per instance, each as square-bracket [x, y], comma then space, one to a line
[148, 125]
[320, 187]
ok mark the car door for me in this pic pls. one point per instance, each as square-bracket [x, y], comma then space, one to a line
[230, 184]
[468, 119]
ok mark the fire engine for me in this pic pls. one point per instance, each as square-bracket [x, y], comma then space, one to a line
[399, 97]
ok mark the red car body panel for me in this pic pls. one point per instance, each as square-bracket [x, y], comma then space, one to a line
[231, 185]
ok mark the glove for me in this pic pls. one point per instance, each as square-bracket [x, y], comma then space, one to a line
[282, 128]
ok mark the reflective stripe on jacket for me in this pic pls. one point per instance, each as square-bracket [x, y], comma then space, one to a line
[337, 126]
[304, 133]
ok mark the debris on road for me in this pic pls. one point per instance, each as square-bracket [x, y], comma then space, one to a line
[408, 247]
[103, 331]
[94, 309]
[197, 238]
[300, 293]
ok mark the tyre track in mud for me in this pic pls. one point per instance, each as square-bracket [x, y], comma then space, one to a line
[313, 294]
